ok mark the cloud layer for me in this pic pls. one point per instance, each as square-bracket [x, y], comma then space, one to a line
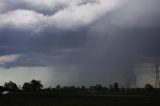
[93, 40]
[72, 14]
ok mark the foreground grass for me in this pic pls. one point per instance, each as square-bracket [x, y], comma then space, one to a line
[79, 100]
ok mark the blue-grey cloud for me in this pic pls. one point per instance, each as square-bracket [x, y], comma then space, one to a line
[96, 47]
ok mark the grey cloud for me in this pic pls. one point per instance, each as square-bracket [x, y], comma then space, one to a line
[77, 14]
[103, 51]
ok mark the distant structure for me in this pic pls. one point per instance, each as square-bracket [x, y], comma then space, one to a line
[157, 81]
[134, 81]
[116, 86]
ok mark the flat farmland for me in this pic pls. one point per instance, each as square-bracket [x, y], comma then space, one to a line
[79, 100]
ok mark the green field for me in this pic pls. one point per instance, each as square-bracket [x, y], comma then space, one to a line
[79, 100]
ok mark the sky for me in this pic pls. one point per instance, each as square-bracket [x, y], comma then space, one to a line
[79, 42]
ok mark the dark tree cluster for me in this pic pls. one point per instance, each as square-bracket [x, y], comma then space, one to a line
[33, 85]
[11, 86]
[36, 86]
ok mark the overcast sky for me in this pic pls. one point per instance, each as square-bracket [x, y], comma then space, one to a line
[77, 42]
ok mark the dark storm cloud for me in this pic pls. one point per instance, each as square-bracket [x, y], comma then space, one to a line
[102, 51]
[40, 49]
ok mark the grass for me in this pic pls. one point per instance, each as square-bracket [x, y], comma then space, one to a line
[79, 100]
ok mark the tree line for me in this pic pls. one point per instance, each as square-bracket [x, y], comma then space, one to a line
[33, 85]
[37, 86]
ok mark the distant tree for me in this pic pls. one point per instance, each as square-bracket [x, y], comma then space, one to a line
[49, 89]
[116, 86]
[148, 87]
[33, 85]
[91, 88]
[83, 88]
[2, 88]
[97, 87]
[70, 88]
[58, 87]
[26, 86]
[36, 85]
[10, 85]
[104, 89]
